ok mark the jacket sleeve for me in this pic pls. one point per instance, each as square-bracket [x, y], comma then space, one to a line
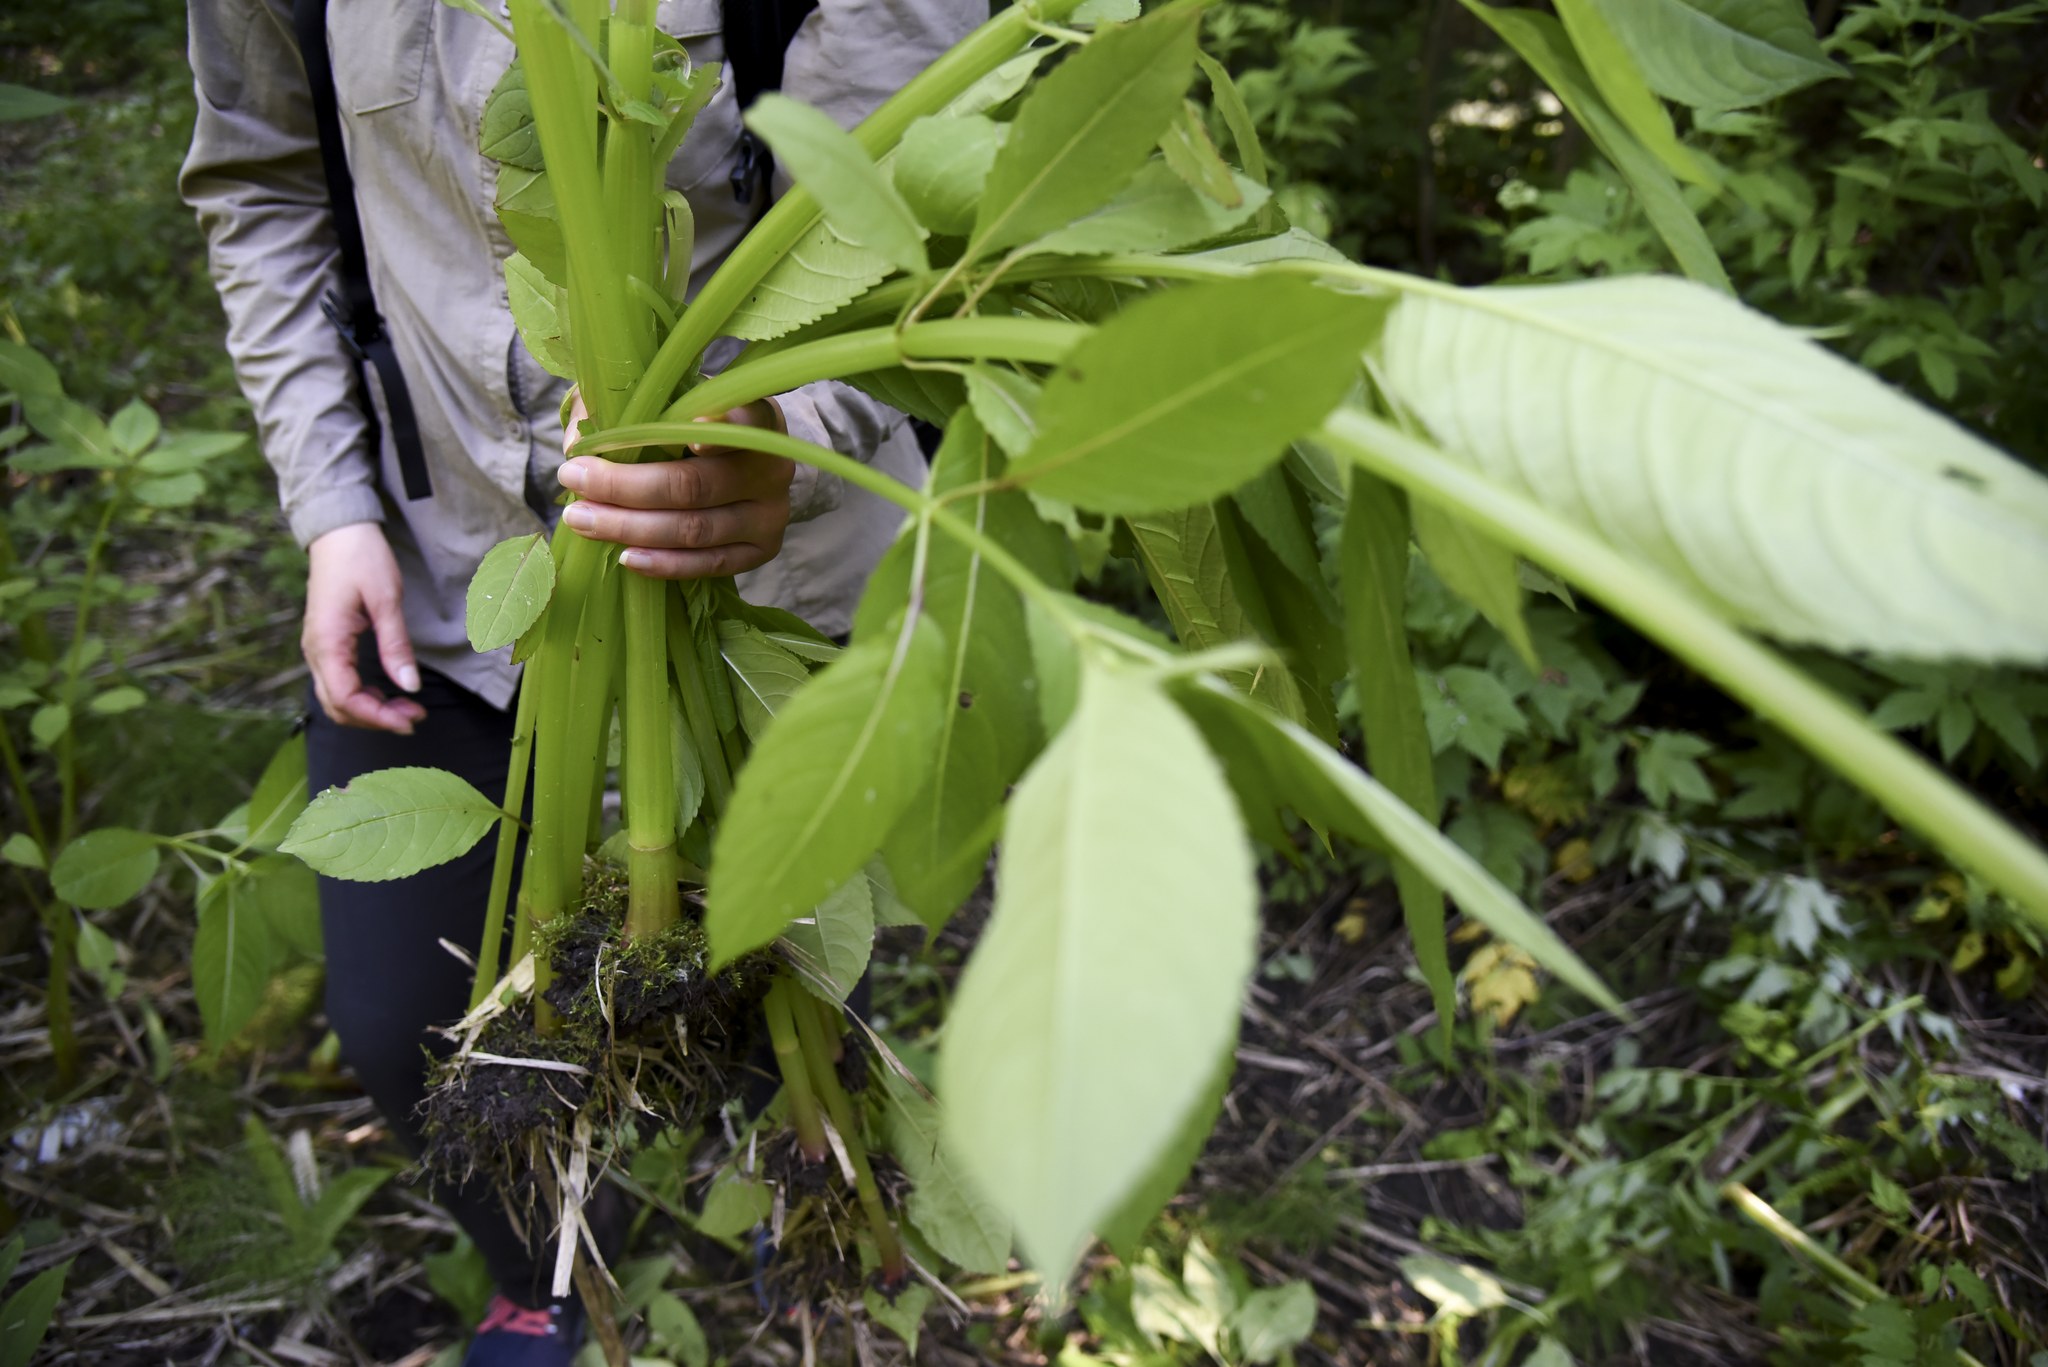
[254, 177]
[850, 56]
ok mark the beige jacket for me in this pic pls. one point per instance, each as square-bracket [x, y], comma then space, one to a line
[411, 78]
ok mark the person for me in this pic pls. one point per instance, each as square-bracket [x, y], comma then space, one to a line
[392, 673]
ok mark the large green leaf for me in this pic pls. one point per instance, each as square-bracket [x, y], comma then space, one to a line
[526, 207]
[1086, 128]
[19, 102]
[279, 796]
[1794, 491]
[941, 166]
[955, 1218]
[820, 275]
[1375, 575]
[105, 868]
[1125, 1227]
[1188, 393]
[233, 955]
[287, 896]
[1615, 74]
[1107, 983]
[25, 1315]
[937, 852]
[851, 191]
[1156, 212]
[1184, 559]
[538, 313]
[836, 939]
[765, 675]
[823, 787]
[509, 591]
[1278, 757]
[1544, 44]
[1481, 572]
[1720, 54]
[390, 824]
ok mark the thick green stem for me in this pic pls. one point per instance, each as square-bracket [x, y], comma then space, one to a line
[1040, 341]
[789, 1061]
[1916, 792]
[653, 904]
[520, 766]
[810, 1029]
[931, 90]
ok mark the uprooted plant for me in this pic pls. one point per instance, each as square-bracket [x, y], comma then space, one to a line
[1038, 245]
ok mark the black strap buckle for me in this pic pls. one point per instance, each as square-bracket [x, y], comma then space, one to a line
[358, 333]
[750, 171]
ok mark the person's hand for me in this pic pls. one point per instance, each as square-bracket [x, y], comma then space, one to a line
[720, 510]
[354, 584]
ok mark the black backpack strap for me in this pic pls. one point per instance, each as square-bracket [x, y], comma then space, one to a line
[757, 34]
[352, 308]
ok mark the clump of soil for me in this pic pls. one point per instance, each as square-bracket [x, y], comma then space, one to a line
[650, 1031]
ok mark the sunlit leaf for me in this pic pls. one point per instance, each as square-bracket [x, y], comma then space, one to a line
[941, 166]
[1721, 54]
[851, 191]
[105, 868]
[390, 824]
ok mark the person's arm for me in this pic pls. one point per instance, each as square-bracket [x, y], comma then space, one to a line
[253, 175]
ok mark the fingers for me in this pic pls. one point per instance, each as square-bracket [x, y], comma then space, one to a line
[712, 480]
[343, 696]
[736, 558]
[762, 413]
[669, 528]
[353, 584]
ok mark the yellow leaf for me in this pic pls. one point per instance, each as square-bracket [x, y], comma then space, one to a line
[1574, 860]
[1500, 980]
[1968, 952]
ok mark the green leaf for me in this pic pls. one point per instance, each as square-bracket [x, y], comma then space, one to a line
[1156, 212]
[526, 206]
[25, 371]
[958, 1220]
[824, 785]
[1479, 571]
[1324, 787]
[1188, 393]
[820, 275]
[990, 729]
[183, 452]
[674, 1328]
[941, 166]
[1005, 403]
[105, 868]
[851, 191]
[1721, 54]
[1544, 45]
[537, 311]
[836, 939]
[134, 428]
[1460, 1290]
[338, 1203]
[117, 700]
[1089, 1020]
[280, 794]
[734, 1205]
[1125, 1227]
[1792, 491]
[1274, 1319]
[765, 675]
[1193, 158]
[1618, 78]
[233, 956]
[170, 491]
[1184, 559]
[10, 1258]
[1237, 116]
[507, 134]
[72, 426]
[1277, 511]
[902, 1315]
[21, 850]
[25, 1317]
[509, 591]
[287, 896]
[19, 102]
[687, 766]
[1086, 128]
[1375, 577]
[390, 824]
[49, 723]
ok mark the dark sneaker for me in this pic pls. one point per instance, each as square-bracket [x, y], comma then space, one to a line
[513, 1336]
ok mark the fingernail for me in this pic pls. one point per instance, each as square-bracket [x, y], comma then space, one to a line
[409, 678]
[636, 560]
[579, 516]
[571, 474]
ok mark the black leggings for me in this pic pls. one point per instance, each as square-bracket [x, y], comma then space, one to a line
[389, 981]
